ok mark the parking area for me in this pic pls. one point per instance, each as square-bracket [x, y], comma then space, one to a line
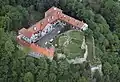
[50, 36]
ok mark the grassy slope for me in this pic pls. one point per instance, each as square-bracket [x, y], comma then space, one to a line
[89, 42]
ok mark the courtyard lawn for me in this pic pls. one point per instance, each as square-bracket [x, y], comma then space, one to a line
[62, 40]
[72, 48]
[71, 44]
[76, 35]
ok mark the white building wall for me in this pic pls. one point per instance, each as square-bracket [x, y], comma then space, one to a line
[85, 27]
[34, 37]
[47, 29]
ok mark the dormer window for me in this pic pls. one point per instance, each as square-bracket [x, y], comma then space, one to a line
[54, 8]
[41, 23]
[64, 16]
[68, 19]
[19, 33]
[75, 20]
[34, 28]
[52, 17]
[48, 20]
[58, 12]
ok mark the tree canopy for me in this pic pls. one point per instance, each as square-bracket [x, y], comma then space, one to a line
[103, 19]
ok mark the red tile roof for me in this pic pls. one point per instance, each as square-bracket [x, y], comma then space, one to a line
[71, 20]
[52, 10]
[25, 32]
[41, 24]
[23, 43]
[45, 51]
[35, 28]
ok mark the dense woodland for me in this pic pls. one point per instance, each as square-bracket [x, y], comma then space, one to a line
[103, 18]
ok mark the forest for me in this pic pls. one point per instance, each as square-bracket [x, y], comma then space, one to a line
[103, 19]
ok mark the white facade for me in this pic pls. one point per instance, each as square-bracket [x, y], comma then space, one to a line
[35, 37]
[85, 27]
[26, 39]
[47, 29]
[35, 54]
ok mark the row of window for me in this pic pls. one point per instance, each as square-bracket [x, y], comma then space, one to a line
[26, 39]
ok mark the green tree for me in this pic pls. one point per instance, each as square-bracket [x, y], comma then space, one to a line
[115, 70]
[28, 77]
[9, 46]
[82, 79]
[97, 76]
[52, 77]
[107, 68]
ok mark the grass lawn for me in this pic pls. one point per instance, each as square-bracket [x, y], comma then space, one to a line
[76, 35]
[62, 39]
[73, 48]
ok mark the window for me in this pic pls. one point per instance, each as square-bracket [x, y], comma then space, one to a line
[58, 12]
[34, 28]
[68, 20]
[48, 20]
[64, 16]
[26, 39]
[52, 17]
[54, 8]
[41, 23]
[77, 23]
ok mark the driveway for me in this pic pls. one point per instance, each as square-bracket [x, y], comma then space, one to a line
[50, 35]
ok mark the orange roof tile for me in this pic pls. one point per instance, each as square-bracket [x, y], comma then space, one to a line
[25, 32]
[35, 28]
[23, 43]
[71, 20]
[52, 10]
[44, 51]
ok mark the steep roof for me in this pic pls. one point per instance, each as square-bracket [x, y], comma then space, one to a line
[25, 32]
[52, 10]
[35, 28]
[41, 24]
[71, 20]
